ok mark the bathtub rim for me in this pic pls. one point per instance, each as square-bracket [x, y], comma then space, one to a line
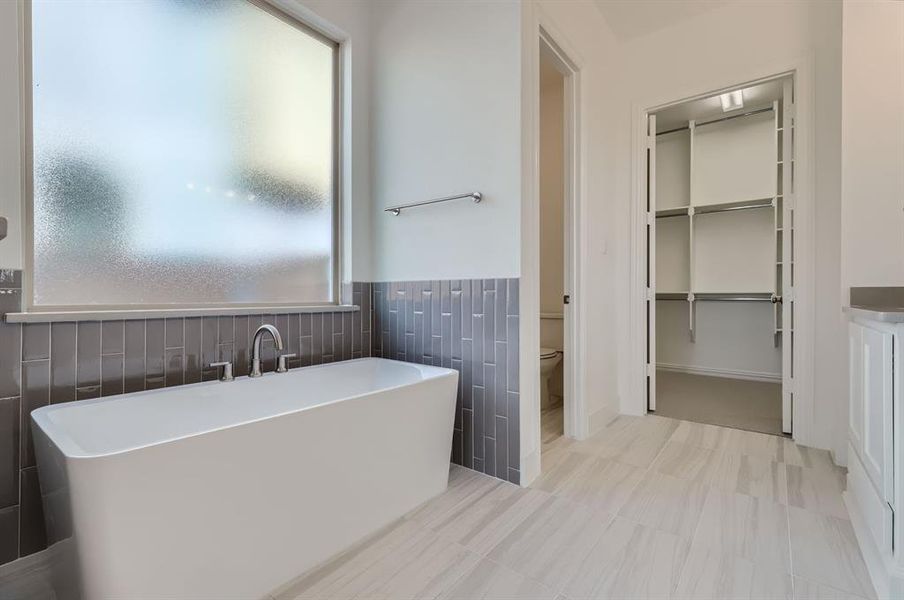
[72, 451]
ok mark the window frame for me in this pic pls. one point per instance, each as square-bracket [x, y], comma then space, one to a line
[53, 312]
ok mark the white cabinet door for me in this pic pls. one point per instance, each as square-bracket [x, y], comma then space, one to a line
[855, 404]
[877, 392]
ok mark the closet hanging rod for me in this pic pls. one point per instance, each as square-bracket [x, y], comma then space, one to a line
[730, 117]
[395, 210]
[735, 298]
[705, 297]
[719, 120]
[672, 130]
[703, 210]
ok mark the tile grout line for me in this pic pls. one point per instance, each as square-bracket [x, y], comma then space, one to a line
[699, 517]
[788, 519]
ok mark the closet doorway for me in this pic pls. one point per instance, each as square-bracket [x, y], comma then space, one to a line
[720, 260]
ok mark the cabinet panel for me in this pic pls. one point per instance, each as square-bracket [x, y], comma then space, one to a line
[855, 396]
[875, 511]
[877, 374]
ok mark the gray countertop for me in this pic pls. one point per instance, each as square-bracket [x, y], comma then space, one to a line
[877, 303]
[876, 313]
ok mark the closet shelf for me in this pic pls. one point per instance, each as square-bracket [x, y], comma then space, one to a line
[671, 296]
[680, 211]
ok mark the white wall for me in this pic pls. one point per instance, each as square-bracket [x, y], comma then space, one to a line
[732, 338]
[446, 120]
[625, 73]
[679, 61]
[10, 194]
[348, 21]
[872, 167]
[673, 169]
[734, 160]
[552, 192]
[580, 29]
[552, 209]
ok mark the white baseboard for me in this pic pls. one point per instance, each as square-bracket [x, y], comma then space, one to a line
[530, 468]
[600, 419]
[727, 373]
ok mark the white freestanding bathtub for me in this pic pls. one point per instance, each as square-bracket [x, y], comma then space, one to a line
[229, 489]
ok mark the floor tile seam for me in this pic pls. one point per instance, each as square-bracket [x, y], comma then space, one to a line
[356, 550]
[856, 545]
[558, 589]
[790, 544]
[514, 526]
[628, 493]
[786, 570]
[555, 591]
[847, 516]
[465, 572]
[834, 588]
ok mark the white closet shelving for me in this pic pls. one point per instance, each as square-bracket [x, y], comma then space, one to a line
[720, 222]
[718, 211]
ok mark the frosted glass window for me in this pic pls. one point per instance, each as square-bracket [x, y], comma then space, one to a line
[183, 155]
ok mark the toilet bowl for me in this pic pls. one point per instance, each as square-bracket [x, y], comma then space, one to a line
[549, 359]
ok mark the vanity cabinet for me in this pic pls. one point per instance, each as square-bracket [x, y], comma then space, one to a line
[874, 433]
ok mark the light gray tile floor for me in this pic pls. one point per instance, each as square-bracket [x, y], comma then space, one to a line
[650, 507]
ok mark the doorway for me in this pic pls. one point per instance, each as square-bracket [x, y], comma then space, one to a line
[552, 248]
[720, 259]
[558, 351]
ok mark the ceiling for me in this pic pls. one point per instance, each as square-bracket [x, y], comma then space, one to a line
[628, 19]
[756, 96]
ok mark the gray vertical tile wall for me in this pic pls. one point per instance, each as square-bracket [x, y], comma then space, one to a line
[43, 363]
[470, 326]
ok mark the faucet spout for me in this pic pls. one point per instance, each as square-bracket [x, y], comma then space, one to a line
[256, 347]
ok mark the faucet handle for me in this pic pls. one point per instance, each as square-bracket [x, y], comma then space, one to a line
[282, 362]
[227, 370]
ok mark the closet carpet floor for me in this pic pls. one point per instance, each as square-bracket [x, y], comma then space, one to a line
[737, 403]
[650, 507]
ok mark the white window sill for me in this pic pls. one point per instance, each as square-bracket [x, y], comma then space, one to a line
[161, 313]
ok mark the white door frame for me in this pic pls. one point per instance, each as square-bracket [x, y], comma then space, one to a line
[802, 71]
[540, 29]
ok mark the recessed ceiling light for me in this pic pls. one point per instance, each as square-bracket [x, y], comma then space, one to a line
[732, 100]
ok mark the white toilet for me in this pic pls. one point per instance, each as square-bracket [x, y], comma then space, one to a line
[549, 359]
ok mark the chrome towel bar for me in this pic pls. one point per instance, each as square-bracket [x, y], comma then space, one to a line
[395, 210]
